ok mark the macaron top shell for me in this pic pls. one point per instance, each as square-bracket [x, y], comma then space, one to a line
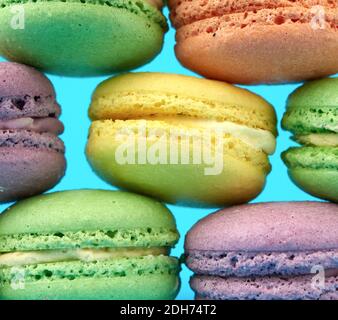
[84, 38]
[25, 92]
[84, 210]
[272, 227]
[184, 12]
[313, 108]
[20, 80]
[251, 109]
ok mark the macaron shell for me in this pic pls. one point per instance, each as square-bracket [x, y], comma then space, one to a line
[172, 95]
[319, 93]
[240, 180]
[185, 12]
[321, 183]
[149, 287]
[99, 39]
[111, 209]
[315, 170]
[286, 226]
[268, 53]
[29, 171]
[267, 288]
[313, 107]
[21, 80]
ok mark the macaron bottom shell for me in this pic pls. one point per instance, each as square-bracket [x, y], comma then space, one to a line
[241, 176]
[321, 183]
[26, 172]
[148, 287]
[267, 288]
[82, 39]
[314, 169]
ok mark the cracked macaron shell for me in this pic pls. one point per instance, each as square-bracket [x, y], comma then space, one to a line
[88, 218]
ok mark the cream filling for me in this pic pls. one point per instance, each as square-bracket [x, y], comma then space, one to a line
[257, 138]
[319, 139]
[47, 124]
[86, 255]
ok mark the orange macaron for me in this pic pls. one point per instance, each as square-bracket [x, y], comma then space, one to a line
[257, 41]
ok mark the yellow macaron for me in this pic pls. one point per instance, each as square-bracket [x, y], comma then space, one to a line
[181, 139]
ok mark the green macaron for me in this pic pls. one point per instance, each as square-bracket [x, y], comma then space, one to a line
[88, 244]
[81, 37]
[312, 117]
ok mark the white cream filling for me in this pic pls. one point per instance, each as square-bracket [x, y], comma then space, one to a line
[319, 139]
[86, 255]
[258, 139]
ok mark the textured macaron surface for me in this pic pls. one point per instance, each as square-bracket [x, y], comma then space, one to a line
[275, 226]
[312, 117]
[186, 12]
[101, 37]
[272, 40]
[264, 288]
[313, 108]
[88, 244]
[31, 153]
[264, 239]
[86, 218]
[311, 157]
[241, 124]
[25, 92]
[170, 95]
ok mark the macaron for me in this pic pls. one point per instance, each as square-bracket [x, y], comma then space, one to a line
[312, 118]
[81, 38]
[31, 154]
[266, 251]
[88, 244]
[181, 139]
[257, 41]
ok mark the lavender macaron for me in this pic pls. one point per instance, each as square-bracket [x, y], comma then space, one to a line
[31, 154]
[267, 251]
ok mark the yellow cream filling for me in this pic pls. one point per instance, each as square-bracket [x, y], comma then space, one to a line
[319, 139]
[86, 255]
[257, 138]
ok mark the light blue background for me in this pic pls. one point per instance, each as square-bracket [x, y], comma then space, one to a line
[74, 96]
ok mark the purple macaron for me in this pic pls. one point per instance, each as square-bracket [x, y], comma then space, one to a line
[31, 154]
[280, 250]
